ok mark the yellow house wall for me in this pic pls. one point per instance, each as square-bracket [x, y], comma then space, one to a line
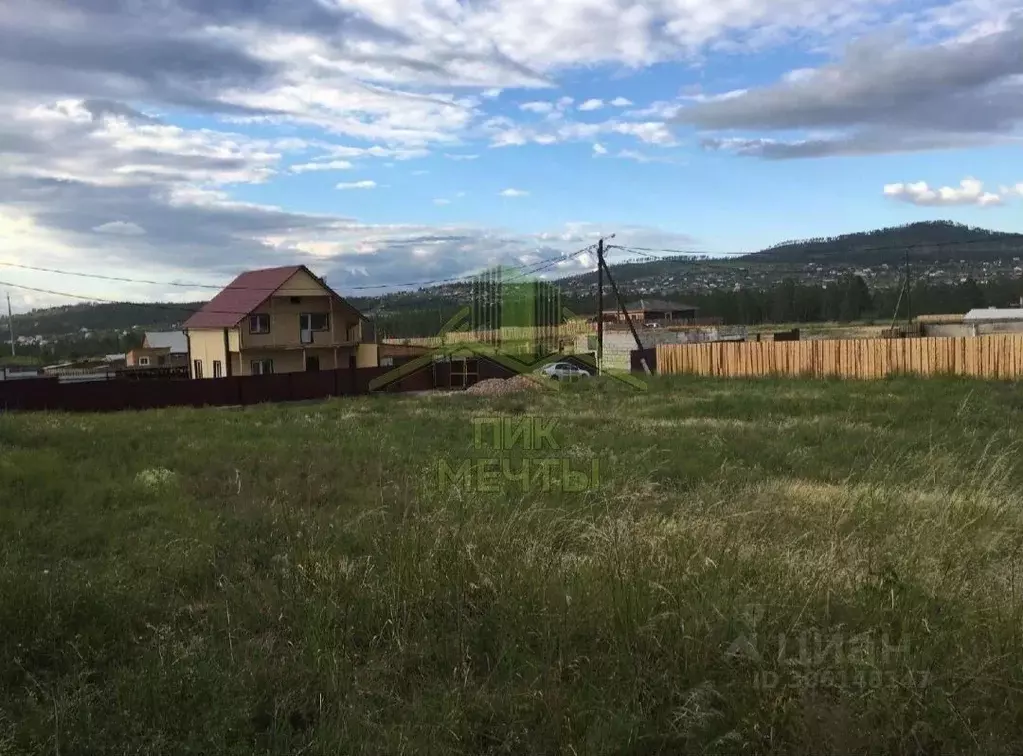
[206, 346]
[367, 356]
[285, 317]
[301, 285]
[293, 360]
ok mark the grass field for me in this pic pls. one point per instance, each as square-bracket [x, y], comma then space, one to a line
[770, 567]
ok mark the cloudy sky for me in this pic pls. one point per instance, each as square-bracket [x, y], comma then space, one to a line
[393, 141]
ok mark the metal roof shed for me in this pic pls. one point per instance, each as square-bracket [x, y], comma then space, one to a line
[993, 314]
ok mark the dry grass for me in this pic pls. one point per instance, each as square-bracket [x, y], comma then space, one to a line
[758, 573]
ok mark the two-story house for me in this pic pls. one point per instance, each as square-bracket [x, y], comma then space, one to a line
[276, 320]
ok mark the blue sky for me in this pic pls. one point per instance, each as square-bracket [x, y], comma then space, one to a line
[382, 141]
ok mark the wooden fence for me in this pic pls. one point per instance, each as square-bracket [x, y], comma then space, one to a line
[999, 356]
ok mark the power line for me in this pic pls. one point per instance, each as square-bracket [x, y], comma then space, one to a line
[220, 287]
[104, 300]
[538, 266]
[541, 265]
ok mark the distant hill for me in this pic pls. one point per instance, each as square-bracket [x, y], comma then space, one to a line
[926, 241]
[104, 317]
[423, 312]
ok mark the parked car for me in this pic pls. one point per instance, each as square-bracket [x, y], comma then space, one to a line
[562, 371]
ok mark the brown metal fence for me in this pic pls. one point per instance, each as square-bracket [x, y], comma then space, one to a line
[997, 356]
[115, 395]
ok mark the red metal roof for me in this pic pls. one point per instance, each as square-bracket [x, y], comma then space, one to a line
[241, 297]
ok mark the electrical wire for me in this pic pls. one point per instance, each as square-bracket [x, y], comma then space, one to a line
[220, 287]
[537, 267]
[525, 270]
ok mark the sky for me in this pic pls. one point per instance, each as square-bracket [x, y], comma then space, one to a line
[386, 142]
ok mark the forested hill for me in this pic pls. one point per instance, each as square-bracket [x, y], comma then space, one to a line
[926, 241]
[706, 282]
[121, 316]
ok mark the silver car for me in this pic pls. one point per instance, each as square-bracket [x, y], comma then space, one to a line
[562, 371]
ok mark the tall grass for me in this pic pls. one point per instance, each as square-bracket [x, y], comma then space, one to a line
[762, 567]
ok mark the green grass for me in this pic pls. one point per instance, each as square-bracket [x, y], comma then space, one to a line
[287, 580]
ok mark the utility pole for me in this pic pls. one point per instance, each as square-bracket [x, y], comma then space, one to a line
[628, 318]
[909, 293]
[600, 307]
[10, 323]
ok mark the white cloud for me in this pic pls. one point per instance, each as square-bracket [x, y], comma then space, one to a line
[442, 202]
[330, 165]
[120, 228]
[510, 138]
[599, 149]
[505, 133]
[661, 110]
[357, 185]
[403, 79]
[397, 153]
[461, 157]
[969, 192]
[642, 157]
[537, 107]
[651, 132]
[591, 105]
[514, 193]
[95, 143]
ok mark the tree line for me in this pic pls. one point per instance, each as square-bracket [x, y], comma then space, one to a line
[850, 299]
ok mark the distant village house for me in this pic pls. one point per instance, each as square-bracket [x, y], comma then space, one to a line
[160, 349]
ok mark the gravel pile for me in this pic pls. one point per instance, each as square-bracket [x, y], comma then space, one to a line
[501, 387]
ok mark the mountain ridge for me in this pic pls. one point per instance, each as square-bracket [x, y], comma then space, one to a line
[930, 242]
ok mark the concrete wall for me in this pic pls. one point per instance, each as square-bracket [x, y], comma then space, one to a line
[948, 330]
[619, 345]
[958, 330]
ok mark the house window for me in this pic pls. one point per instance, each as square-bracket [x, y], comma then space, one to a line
[143, 362]
[197, 368]
[262, 367]
[218, 369]
[386, 362]
[311, 322]
[259, 323]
